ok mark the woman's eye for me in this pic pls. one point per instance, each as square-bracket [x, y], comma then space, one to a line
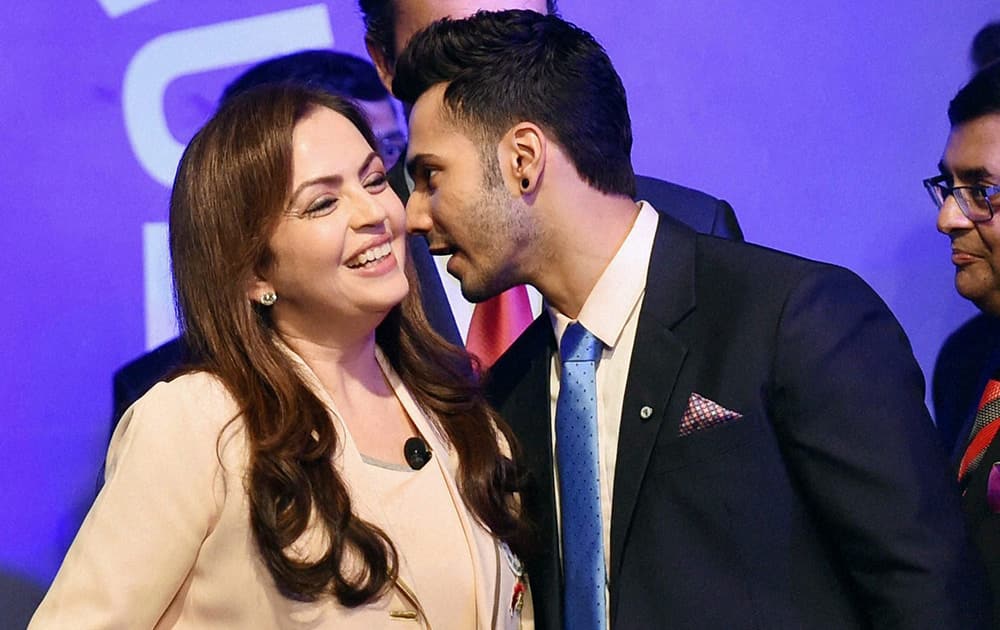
[377, 182]
[322, 206]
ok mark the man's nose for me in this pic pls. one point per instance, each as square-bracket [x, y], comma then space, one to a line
[950, 217]
[418, 216]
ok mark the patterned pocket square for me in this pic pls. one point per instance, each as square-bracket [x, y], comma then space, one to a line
[702, 413]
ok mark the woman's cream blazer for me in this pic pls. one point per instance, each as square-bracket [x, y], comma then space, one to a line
[168, 544]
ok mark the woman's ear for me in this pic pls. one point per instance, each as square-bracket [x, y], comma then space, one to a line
[260, 291]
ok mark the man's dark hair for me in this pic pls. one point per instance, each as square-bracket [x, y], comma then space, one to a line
[327, 70]
[380, 23]
[507, 67]
[979, 97]
[986, 46]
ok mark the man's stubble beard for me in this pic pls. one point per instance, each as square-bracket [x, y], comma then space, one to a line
[505, 233]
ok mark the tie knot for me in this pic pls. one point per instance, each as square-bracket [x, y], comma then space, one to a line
[579, 344]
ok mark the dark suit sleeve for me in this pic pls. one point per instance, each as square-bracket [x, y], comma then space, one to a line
[725, 224]
[968, 358]
[847, 405]
[136, 377]
[699, 211]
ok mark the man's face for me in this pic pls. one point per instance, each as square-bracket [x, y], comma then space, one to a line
[972, 158]
[463, 206]
[414, 15]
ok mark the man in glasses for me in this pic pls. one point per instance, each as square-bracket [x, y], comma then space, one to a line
[967, 193]
[967, 356]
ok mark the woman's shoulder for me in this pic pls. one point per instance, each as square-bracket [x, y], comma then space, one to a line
[180, 433]
[198, 390]
[188, 407]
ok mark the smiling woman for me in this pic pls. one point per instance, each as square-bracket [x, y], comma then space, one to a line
[338, 248]
[268, 484]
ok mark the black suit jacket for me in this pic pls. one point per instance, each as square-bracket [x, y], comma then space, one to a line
[702, 212]
[699, 211]
[969, 356]
[984, 523]
[827, 505]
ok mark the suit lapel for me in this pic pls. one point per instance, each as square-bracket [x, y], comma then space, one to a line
[657, 358]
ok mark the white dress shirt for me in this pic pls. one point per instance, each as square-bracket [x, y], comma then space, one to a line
[611, 313]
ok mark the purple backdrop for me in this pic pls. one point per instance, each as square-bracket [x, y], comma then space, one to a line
[817, 124]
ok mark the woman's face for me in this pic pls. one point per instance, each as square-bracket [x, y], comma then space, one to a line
[339, 248]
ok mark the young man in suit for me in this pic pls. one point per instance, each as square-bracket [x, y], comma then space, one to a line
[967, 193]
[746, 444]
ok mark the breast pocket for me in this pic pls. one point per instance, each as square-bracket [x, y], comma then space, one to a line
[716, 444]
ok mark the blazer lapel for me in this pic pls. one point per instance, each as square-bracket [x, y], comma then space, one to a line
[656, 362]
[518, 385]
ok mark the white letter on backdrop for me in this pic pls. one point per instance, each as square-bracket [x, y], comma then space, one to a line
[200, 49]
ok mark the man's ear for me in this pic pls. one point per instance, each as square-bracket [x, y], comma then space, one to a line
[522, 154]
[384, 67]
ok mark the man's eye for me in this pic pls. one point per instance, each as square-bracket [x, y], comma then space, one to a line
[429, 174]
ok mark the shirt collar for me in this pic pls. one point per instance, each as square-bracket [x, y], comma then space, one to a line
[620, 287]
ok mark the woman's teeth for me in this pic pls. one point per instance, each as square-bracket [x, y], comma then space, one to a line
[370, 256]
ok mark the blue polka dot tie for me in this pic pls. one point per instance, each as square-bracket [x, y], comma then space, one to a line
[579, 486]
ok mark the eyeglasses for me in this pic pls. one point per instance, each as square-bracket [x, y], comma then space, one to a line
[973, 201]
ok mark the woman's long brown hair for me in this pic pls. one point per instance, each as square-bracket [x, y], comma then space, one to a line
[229, 193]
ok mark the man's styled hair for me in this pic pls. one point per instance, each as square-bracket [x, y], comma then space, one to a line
[979, 97]
[327, 70]
[380, 23]
[515, 66]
